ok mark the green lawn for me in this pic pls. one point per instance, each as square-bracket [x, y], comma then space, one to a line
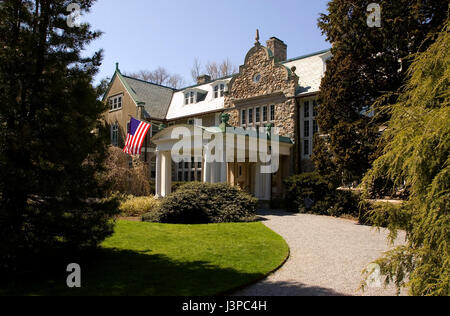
[158, 259]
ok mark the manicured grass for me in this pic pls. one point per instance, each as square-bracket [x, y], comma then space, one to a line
[158, 259]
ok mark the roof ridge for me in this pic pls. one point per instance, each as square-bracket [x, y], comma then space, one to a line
[201, 84]
[306, 56]
[148, 82]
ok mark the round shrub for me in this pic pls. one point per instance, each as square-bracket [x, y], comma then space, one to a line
[203, 203]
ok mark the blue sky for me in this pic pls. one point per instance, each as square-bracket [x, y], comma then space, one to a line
[146, 34]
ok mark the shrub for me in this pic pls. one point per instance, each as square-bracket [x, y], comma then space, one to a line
[303, 186]
[138, 206]
[201, 203]
[123, 178]
[324, 200]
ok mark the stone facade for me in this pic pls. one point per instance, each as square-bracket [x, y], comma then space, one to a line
[277, 85]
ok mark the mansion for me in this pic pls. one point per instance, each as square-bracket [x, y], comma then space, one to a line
[268, 90]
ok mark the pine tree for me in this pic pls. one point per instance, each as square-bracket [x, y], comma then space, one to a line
[366, 64]
[417, 154]
[52, 139]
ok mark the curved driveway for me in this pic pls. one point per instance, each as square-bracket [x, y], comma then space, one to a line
[327, 256]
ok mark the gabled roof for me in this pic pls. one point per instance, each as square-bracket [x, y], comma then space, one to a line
[310, 70]
[157, 98]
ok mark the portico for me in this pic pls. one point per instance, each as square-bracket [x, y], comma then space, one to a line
[226, 156]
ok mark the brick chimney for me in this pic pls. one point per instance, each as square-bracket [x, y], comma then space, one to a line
[278, 48]
[203, 79]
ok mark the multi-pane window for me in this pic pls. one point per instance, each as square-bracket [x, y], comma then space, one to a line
[243, 117]
[272, 113]
[306, 107]
[219, 90]
[192, 97]
[257, 115]
[186, 98]
[189, 170]
[310, 125]
[306, 132]
[115, 135]
[115, 103]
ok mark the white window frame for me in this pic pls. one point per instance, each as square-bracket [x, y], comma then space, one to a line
[115, 135]
[312, 120]
[116, 102]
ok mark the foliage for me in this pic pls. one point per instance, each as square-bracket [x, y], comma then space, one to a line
[325, 199]
[306, 185]
[417, 153]
[366, 64]
[146, 259]
[52, 139]
[201, 203]
[121, 177]
[138, 206]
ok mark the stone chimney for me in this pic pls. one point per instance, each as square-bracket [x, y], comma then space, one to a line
[203, 79]
[278, 48]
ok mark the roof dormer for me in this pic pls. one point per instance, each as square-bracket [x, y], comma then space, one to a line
[194, 95]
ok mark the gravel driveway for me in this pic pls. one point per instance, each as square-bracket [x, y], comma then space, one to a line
[327, 257]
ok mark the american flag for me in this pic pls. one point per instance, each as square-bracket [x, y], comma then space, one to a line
[135, 138]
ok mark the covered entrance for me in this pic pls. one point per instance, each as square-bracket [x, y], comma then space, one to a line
[234, 164]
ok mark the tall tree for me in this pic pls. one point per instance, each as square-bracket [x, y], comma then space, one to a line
[366, 64]
[417, 154]
[52, 139]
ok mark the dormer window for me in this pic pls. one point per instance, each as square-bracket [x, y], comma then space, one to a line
[115, 103]
[219, 90]
[194, 96]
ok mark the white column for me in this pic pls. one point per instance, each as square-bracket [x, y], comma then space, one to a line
[158, 193]
[166, 174]
[223, 167]
[206, 166]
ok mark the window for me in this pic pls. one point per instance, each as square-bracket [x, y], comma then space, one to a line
[192, 97]
[258, 115]
[243, 117]
[180, 176]
[265, 114]
[115, 135]
[315, 127]
[257, 78]
[306, 147]
[219, 90]
[272, 112]
[186, 98]
[191, 122]
[306, 106]
[115, 103]
[199, 176]
[250, 116]
[314, 108]
[306, 130]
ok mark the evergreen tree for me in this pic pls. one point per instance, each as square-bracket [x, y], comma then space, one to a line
[366, 64]
[52, 139]
[417, 154]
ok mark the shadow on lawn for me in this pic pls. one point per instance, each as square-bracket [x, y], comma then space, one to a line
[129, 273]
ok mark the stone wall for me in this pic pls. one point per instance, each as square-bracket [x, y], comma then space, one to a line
[276, 86]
